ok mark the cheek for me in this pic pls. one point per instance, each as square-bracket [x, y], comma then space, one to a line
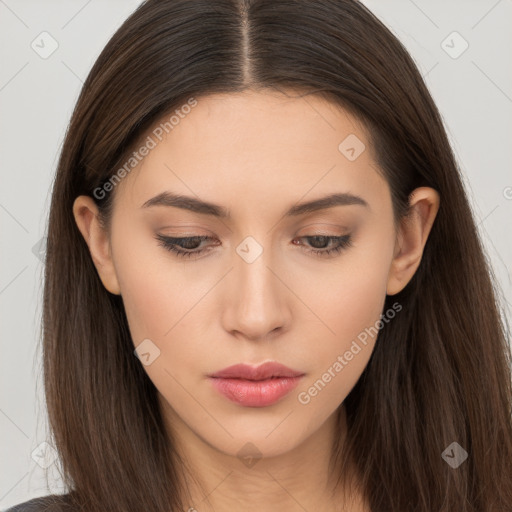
[164, 301]
[158, 301]
[151, 287]
[349, 302]
[148, 302]
[350, 297]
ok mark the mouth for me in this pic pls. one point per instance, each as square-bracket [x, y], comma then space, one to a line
[259, 386]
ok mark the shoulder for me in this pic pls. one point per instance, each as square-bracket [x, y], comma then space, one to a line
[50, 503]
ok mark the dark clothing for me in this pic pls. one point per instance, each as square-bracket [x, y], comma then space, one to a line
[50, 503]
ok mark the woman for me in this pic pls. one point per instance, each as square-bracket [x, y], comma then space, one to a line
[264, 285]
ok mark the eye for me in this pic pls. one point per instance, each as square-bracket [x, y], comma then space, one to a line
[186, 247]
[340, 243]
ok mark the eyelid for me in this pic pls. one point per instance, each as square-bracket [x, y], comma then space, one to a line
[172, 244]
[322, 232]
[329, 229]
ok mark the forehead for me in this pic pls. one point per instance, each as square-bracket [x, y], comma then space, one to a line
[259, 122]
[255, 145]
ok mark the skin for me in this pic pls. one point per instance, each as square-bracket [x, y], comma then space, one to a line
[257, 154]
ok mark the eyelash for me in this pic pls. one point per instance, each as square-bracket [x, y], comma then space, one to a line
[172, 244]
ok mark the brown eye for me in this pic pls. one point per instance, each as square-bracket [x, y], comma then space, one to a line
[320, 241]
[184, 247]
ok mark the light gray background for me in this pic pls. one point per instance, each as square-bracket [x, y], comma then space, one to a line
[472, 91]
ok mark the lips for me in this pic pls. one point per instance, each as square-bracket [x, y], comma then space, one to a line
[259, 386]
[262, 372]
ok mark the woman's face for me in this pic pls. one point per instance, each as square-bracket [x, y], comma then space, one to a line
[263, 288]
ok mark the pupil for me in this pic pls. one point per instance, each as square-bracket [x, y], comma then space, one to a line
[322, 239]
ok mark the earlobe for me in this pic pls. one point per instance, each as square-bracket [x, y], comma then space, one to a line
[85, 212]
[412, 237]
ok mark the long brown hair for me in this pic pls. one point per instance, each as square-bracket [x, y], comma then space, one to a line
[440, 371]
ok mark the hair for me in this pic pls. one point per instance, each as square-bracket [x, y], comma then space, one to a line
[439, 372]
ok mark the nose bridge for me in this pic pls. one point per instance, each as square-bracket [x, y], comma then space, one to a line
[257, 303]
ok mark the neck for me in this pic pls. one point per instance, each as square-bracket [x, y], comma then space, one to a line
[295, 480]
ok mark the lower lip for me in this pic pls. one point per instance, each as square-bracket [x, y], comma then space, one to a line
[251, 393]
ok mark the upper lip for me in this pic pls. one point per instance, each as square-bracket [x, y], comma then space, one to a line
[261, 372]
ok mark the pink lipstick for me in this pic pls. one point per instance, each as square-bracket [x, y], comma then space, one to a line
[258, 386]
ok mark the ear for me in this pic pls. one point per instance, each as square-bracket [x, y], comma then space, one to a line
[412, 236]
[86, 217]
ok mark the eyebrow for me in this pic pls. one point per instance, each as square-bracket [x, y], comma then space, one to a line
[206, 208]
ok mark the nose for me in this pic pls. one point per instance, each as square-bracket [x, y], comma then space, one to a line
[257, 300]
